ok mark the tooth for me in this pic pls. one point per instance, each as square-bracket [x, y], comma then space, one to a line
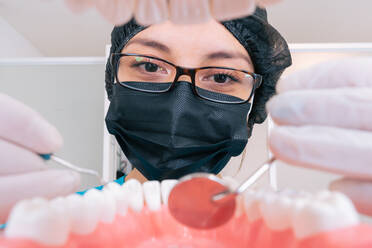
[277, 208]
[104, 202]
[166, 187]
[109, 213]
[79, 6]
[151, 191]
[266, 3]
[224, 10]
[326, 211]
[83, 217]
[232, 183]
[277, 211]
[151, 11]
[189, 11]
[133, 191]
[120, 198]
[117, 12]
[251, 202]
[39, 220]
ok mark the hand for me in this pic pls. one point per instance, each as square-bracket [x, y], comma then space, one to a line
[23, 174]
[324, 118]
[149, 12]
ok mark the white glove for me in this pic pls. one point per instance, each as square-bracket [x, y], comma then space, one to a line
[324, 115]
[23, 174]
[149, 12]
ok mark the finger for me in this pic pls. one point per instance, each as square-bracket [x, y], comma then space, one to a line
[15, 159]
[47, 183]
[224, 10]
[337, 150]
[359, 191]
[189, 11]
[151, 11]
[342, 107]
[266, 3]
[79, 6]
[116, 12]
[22, 125]
[351, 72]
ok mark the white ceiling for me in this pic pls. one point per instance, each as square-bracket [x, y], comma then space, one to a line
[55, 31]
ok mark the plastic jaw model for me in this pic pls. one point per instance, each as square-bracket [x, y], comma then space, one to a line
[136, 215]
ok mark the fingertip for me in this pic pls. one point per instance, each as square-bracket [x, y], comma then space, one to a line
[75, 181]
[274, 141]
[70, 181]
[55, 139]
[46, 138]
[273, 108]
[269, 104]
[287, 83]
[335, 185]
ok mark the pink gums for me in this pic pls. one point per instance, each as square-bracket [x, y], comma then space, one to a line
[159, 229]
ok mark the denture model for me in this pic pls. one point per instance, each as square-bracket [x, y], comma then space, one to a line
[135, 215]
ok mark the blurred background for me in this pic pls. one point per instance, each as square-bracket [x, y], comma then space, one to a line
[54, 61]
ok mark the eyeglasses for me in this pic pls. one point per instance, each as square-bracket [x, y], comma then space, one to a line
[151, 74]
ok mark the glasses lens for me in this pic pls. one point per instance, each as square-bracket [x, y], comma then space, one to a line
[224, 85]
[147, 74]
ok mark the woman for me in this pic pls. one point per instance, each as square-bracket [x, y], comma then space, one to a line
[184, 98]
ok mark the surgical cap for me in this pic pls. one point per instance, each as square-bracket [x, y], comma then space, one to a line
[267, 48]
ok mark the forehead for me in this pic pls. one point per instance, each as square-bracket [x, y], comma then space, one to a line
[195, 40]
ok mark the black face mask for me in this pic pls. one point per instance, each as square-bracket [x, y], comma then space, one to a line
[168, 135]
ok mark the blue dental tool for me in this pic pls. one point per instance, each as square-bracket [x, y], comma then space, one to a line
[73, 167]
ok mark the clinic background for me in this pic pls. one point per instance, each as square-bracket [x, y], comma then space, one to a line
[54, 60]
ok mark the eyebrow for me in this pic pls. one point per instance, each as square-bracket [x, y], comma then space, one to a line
[151, 43]
[227, 55]
[214, 55]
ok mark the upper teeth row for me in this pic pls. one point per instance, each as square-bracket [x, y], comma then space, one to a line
[45, 221]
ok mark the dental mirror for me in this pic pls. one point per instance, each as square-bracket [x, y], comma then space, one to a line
[204, 201]
[190, 201]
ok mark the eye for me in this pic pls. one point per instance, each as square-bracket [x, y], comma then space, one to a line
[151, 67]
[220, 78]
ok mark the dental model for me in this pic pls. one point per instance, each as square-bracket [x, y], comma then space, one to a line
[135, 215]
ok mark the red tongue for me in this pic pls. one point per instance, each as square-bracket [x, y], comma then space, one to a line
[190, 203]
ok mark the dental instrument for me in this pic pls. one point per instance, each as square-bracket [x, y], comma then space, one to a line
[204, 201]
[73, 167]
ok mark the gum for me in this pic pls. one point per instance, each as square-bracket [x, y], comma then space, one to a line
[159, 229]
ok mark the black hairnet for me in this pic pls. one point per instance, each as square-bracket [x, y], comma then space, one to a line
[267, 48]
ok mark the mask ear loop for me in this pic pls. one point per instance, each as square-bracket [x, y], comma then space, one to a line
[245, 148]
[241, 162]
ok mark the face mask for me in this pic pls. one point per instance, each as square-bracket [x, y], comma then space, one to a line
[168, 135]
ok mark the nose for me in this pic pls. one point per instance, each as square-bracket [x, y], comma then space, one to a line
[186, 78]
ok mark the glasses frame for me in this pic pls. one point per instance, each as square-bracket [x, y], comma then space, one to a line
[191, 72]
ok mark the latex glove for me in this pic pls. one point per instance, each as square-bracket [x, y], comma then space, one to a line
[23, 174]
[324, 118]
[149, 12]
